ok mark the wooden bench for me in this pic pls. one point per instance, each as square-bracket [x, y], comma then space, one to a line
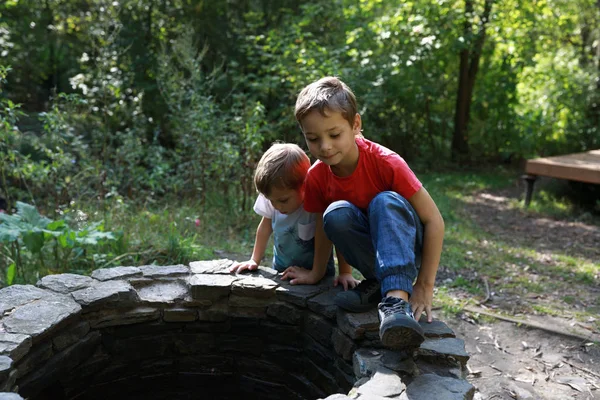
[581, 167]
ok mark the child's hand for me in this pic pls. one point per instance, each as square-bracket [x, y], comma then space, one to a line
[299, 276]
[346, 280]
[421, 299]
[249, 265]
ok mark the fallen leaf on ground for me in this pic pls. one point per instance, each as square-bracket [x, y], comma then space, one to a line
[575, 382]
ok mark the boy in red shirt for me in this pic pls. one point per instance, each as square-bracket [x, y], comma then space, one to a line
[372, 207]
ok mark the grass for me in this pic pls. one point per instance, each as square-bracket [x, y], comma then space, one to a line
[167, 232]
[514, 271]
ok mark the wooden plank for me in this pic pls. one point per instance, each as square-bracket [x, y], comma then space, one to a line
[582, 167]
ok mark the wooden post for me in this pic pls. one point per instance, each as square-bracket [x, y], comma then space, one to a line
[530, 180]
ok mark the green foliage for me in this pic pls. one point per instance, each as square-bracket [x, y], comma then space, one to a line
[212, 146]
[32, 245]
[109, 103]
[182, 97]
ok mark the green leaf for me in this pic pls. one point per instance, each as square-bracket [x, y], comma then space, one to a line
[34, 241]
[94, 237]
[67, 239]
[25, 222]
[8, 233]
[30, 215]
[10, 273]
[56, 225]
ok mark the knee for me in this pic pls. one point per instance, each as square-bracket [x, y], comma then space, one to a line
[337, 217]
[387, 198]
[391, 204]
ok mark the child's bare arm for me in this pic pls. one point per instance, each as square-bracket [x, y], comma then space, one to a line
[323, 248]
[263, 233]
[433, 237]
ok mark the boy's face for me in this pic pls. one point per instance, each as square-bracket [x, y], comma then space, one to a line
[286, 201]
[330, 138]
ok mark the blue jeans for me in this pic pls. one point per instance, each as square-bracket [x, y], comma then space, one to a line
[384, 243]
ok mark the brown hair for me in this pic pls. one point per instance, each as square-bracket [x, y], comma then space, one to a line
[328, 93]
[284, 166]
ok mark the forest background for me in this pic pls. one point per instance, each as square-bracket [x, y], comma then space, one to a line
[129, 130]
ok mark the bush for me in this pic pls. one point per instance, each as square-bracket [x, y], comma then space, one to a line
[32, 245]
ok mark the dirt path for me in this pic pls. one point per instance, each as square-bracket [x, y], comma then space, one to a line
[510, 362]
[515, 362]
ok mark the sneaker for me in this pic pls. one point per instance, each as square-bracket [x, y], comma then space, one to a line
[363, 297]
[398, 328]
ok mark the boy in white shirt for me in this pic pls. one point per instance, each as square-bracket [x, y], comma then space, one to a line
[279, 179]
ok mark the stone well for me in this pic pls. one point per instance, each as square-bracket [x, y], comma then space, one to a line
[198, 332]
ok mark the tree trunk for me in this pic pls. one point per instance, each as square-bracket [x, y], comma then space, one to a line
[52, 80]
[460, 144]
[469, 65]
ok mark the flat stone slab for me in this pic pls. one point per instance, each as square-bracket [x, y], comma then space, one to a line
[265, 272]
[284, 312]
[436, 329]
[17, 295]
[5, 366]
[40, 316]
[10, 396]
[321, 329]
[366, 361]
[105, 318]
[343, 345]
[14, 345]
[399, 361]
[356, 325]
[444, 348]
[211, 267]
[384, 383]
[70, 335]
[247, 302]
[250, 286]
[210, 287]
[169, 271]
[216, 313]
[180, 314]
[166, 292]
[429, 386]
[105, 292]
[65, 283]
[108, 274]
[323, 303]
[299, 294]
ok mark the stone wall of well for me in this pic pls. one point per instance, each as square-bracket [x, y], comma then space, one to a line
[175, 330]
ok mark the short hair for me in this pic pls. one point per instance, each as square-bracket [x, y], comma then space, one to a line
[284, 166]
[328, 93]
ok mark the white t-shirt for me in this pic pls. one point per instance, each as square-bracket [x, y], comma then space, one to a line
[293, 234]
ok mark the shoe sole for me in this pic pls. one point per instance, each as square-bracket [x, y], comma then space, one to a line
[401, 337]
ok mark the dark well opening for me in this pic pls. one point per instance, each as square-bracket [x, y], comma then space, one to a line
[233, 359]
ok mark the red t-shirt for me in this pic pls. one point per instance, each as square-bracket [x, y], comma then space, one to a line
[379, 169]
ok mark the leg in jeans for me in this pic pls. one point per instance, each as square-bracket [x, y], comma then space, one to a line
[385, 243]
[397, 234]
[348, 228]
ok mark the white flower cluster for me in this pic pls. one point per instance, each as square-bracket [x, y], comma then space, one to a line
[5, 43]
